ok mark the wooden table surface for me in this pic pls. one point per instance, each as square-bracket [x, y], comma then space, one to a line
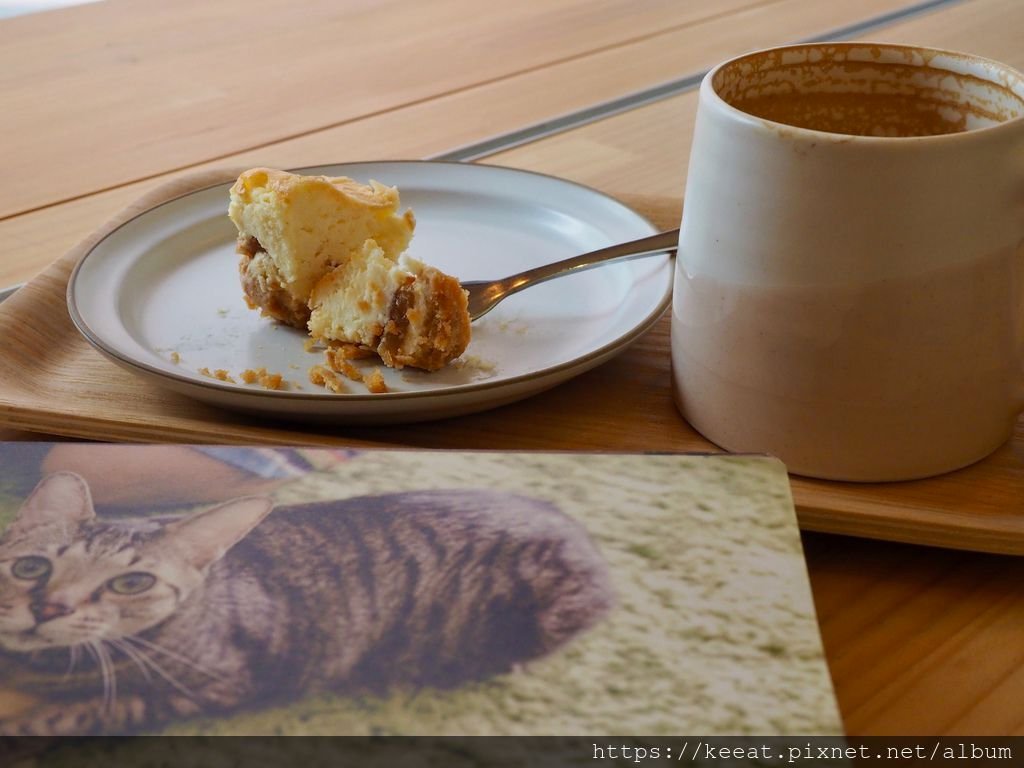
[104, 101]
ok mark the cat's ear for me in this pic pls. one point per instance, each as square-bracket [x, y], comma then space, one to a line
[204, 537]
[59, 499]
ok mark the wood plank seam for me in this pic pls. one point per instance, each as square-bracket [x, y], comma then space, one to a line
[414, 102]
[579, 118]
[554, 126]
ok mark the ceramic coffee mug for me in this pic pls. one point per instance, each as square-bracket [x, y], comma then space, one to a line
[849, 290]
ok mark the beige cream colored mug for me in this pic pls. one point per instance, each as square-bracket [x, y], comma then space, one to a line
[849, 291]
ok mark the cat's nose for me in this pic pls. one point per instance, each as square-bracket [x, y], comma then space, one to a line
[48, 611]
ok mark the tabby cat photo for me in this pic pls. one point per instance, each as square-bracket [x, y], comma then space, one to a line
[124, 624]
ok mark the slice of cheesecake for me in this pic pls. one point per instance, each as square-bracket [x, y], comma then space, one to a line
[327, 254]
[408, 313]
[293, 229]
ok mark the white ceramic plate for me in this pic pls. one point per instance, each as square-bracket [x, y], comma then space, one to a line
[166, 282]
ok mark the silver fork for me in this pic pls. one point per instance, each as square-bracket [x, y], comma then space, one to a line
[485, 294]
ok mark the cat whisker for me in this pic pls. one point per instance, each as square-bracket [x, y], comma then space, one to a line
[176, 657]
[90, 646]
[109, 675]
[181, 687]
[73, 653]
[132, 654]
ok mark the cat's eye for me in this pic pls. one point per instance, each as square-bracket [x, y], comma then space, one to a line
[31, 568]
[131, 583]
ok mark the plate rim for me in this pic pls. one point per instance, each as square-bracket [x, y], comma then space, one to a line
[225, 388]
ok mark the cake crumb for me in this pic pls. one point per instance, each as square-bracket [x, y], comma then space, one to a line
[265, 379]
[219, 374]
[351, 351]
[272, 381]
[222, 312]
[325, 377]
[175, 358]
[337, 360]
[375, 382]
[309, 345]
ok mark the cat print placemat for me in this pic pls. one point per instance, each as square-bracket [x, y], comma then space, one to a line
[223, 590]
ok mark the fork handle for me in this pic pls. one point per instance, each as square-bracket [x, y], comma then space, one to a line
[664, 241]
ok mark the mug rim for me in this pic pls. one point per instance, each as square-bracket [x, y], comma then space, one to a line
[709, 91]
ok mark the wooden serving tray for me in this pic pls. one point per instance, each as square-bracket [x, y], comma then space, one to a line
[53, 382]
